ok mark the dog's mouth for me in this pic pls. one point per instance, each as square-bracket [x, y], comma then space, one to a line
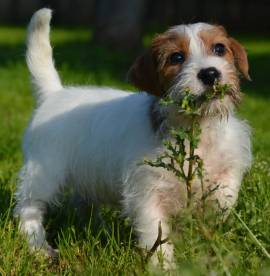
[218, 91]
[216, 99]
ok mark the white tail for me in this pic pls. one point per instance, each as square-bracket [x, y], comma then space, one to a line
[39, 55]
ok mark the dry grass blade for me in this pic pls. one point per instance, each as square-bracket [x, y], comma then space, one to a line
[256, 241]
[2, 272]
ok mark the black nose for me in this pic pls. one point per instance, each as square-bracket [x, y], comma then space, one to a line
[209, 75]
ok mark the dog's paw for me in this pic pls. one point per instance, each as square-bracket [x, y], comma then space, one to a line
[46, 250]
[51, 252]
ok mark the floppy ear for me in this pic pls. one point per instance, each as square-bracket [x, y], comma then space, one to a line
[143, 74]
[240, 57]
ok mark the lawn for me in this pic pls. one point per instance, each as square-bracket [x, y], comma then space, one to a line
[88, 249]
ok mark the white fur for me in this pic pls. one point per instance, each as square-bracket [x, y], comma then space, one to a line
[39, 53]
[96, 138]
[197, 60]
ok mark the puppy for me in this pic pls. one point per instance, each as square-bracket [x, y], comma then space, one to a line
[96, 138]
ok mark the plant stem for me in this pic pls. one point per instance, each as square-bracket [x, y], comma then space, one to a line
[190, 168]
[157, 243]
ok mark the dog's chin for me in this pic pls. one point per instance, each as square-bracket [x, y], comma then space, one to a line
[217, 107]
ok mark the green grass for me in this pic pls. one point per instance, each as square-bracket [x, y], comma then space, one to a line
[88, 249]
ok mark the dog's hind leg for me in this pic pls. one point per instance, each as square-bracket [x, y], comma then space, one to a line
[31, 213]
[36, 190]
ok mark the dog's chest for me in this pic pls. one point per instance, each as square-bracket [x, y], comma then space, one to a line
[214, 151]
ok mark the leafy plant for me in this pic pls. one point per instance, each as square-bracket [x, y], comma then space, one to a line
[180, 155]
[180, 149]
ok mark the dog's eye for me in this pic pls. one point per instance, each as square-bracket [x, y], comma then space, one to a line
[177, 58]
[219, 49]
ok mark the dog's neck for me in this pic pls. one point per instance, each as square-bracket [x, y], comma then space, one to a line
[165, 118]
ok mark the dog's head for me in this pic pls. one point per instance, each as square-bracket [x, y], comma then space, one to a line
[192, 56]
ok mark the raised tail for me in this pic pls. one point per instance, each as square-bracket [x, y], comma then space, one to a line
[39, 55]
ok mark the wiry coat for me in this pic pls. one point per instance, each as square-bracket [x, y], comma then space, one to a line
[96, 138]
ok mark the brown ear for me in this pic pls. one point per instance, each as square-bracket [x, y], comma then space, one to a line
[143, 74]
[240, 57]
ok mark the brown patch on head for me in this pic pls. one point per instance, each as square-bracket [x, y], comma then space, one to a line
[234, 53]
[143, 74]
[214, 36]
[153, 72]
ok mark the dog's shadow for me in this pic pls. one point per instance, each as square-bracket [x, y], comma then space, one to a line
[7, 200]
[76, 219]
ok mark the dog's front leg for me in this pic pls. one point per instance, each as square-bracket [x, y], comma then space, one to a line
[148, 216]
[224, 191]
